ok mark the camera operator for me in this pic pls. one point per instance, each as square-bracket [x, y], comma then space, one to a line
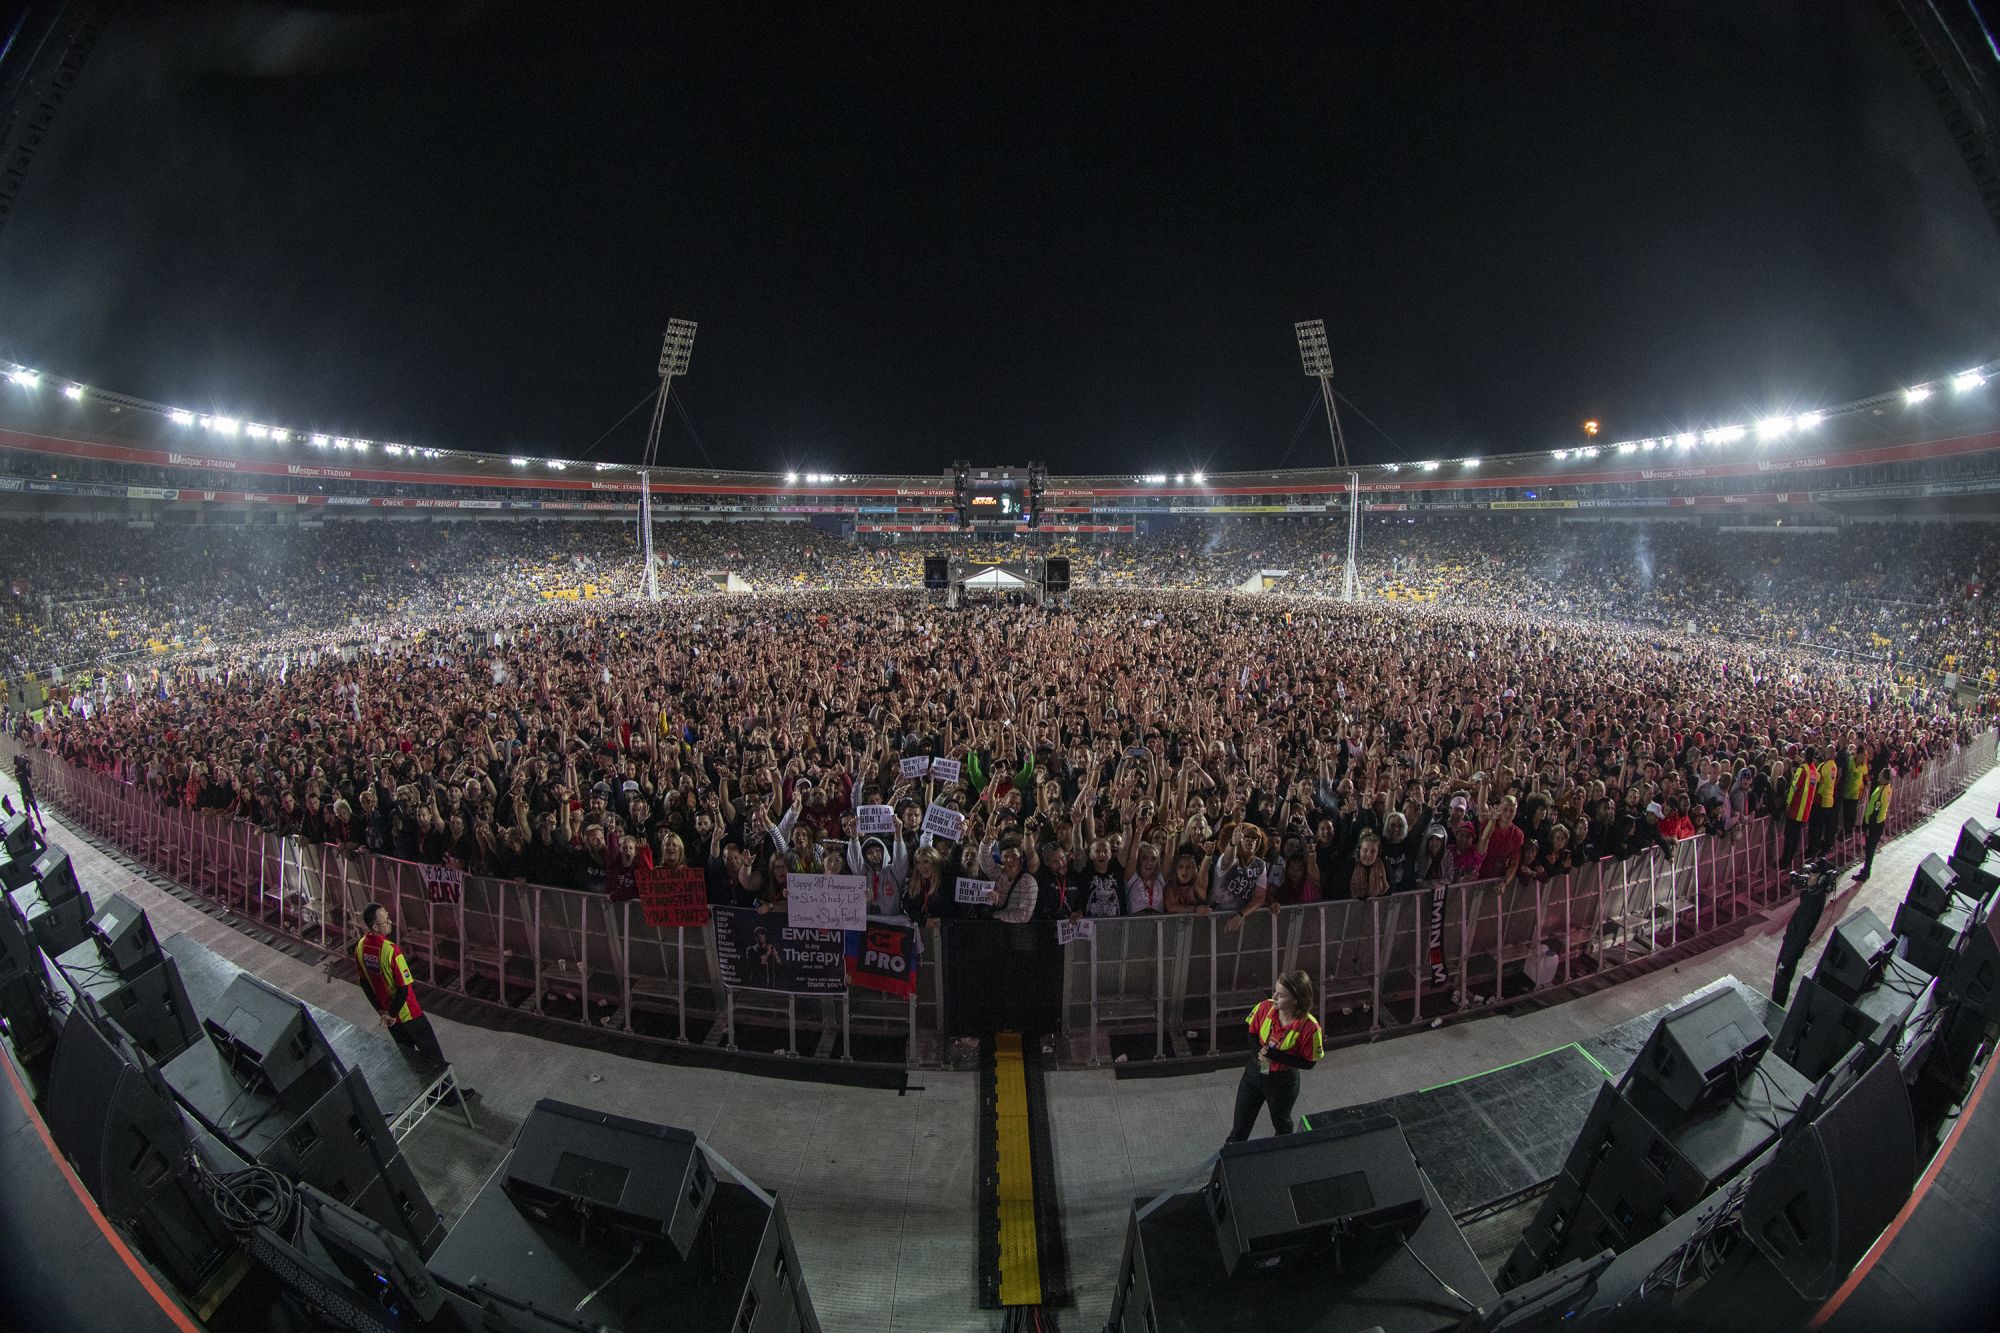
[1814, 882]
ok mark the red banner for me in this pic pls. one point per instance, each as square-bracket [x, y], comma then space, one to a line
[883, 958]
[673, 897]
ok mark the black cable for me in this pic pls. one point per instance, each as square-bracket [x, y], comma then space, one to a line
[621, 421]
[1453, 1291]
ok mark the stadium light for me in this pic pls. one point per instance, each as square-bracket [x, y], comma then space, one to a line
[1967, 380]
[207, 423]
[24, 377]
[181, 418]
[225, 425]
[280, 435]
[1588, 451]
[1180, 478]
[1199, 477]
[555, 464]
[322, 441]
[395, 449]
[1685, 439]
[1725, 435]
[518, 462]
[1392, 467]
[1591, 427]
[362, 445]
[1628, 447]
[341, 442]
[791, 478]
[431, 453]
[1313, 353]
[1771, 428]
[1649, 445]
[257, 432]
[73, 392]
[1559, 454]
[1807, 420]
[1917, 394]
[1470, 462]
[1429, 465]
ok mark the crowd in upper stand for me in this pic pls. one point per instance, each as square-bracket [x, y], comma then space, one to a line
[75, 595]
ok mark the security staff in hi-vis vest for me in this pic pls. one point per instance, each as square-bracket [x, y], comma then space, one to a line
[1288, 1040]
[385, 976]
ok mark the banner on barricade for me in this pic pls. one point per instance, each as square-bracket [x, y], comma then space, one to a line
[443, 884]
[763, 951]
[874, 819]
[677, 897]
[972, 890]
[942, 823]
[916, 765]
[883, 957]
[946, 771]
[1066, 931]
[826, 902]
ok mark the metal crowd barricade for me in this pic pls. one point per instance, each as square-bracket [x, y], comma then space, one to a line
[1157, 979]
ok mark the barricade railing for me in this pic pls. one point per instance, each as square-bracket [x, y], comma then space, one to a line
[1158, 986]
[561, 953]
[1166, 986]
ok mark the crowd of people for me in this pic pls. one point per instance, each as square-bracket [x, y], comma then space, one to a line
[74, 596]
[1131, 752]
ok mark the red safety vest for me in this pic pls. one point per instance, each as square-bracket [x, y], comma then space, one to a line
[1301, 1036]
[1799, 801]
[385, 975]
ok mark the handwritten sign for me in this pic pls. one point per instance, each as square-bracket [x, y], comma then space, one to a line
[1066, 931]
[943, 823]
[946, 771]
[973, 890]
[677, 897]
[443, 884]
[827, 902]
[874, 819]
[916, 766]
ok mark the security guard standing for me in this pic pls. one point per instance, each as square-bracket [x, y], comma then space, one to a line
[385, 976]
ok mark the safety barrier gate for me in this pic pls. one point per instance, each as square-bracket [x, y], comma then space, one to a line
[1148, 981]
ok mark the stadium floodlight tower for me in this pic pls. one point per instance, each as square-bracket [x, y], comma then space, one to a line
[674, 352]
[1318, 361]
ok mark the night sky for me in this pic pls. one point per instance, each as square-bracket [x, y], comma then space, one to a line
[917, 233]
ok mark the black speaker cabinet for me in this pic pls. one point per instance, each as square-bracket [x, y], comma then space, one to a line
[1931, 887]
[1821, 1028]
[1856, 952]
[1975, 973]
[121, 1132]
[342, 1147]
[56, 927]
[125, 941]
[1836, 1182]
[151, 1007]
[937, 572]
[1056, 575]
[1975, 840]
[1931, 942]
[1699, 1052]
[21, 842]
[651, 1182]
[1279, 1200]
[269, 1038]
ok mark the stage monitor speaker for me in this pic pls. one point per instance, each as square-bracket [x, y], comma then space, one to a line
[55, 927]
[124, 935]
[269, 1038]
[1056, 576]
[371, 1254]
[152, 1009]
[342, 1147]
[1821, 1028]
[1975, 840]
[1701, 1051]
[1931, 887]
[55, 876]
[1931, 942]
[1974, 979]
[24, 1005]
[120, 1130]
[1836, 1182]
[937, 573]
[651, 1182]
[19, 956]
[1279, 1200]
[19, 839]
[1856, 952]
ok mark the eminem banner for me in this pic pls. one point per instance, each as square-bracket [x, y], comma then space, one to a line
[883, 957]
[443, 884]
[673, 897]
[759, 951]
